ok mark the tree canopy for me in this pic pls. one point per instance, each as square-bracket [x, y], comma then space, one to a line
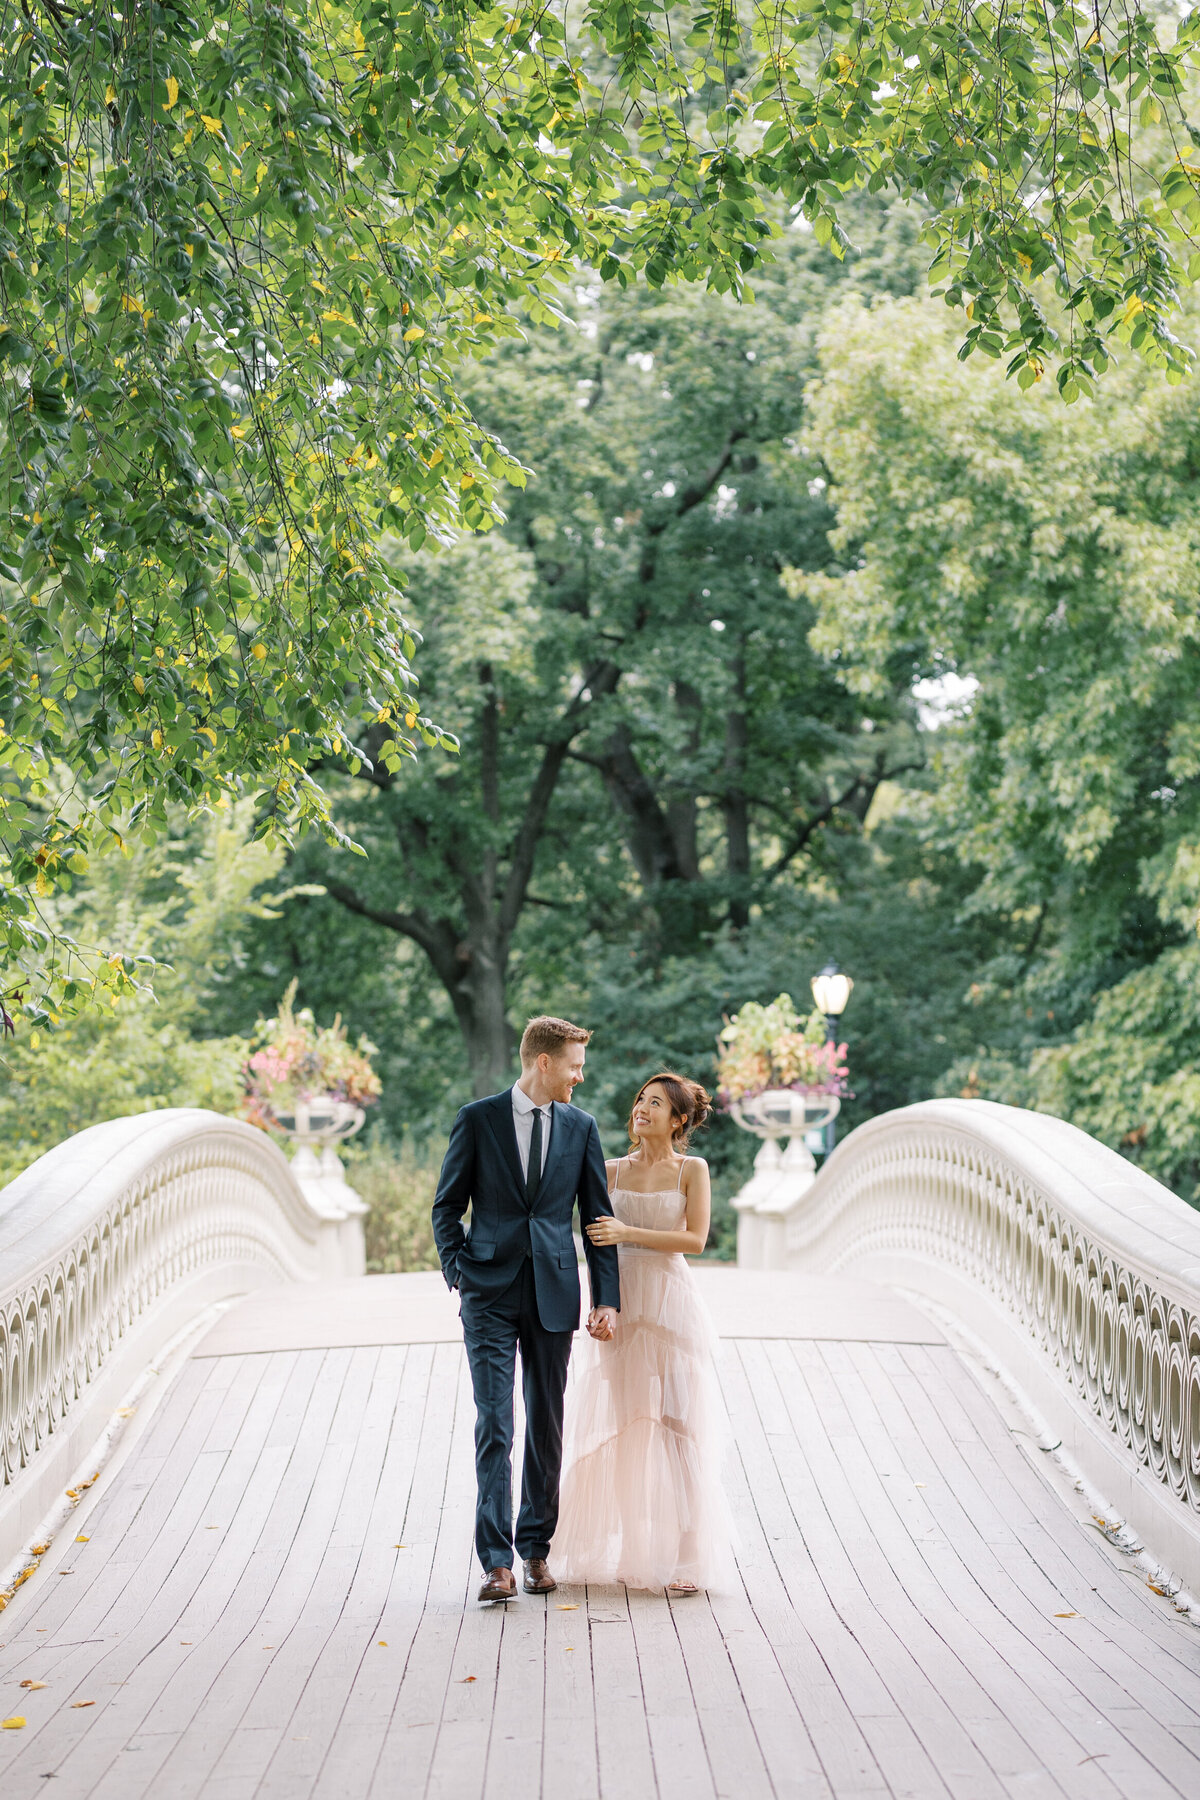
[1045, 557]
[246, 250]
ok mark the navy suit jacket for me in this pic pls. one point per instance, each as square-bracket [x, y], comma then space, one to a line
[482, 1169]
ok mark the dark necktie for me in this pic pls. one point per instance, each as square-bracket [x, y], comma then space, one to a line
[533, 1168]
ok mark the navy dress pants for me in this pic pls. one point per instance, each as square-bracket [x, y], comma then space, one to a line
[493, 1332]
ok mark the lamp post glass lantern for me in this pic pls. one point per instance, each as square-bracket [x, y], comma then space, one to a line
[831, 991]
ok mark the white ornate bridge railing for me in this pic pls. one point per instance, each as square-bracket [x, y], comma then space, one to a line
[110, 1245]
[1079, 1272]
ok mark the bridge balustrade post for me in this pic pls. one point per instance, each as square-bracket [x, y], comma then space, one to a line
[1074, 1270]
[116, 1242]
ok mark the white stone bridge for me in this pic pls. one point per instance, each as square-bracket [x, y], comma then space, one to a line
[235, 1520]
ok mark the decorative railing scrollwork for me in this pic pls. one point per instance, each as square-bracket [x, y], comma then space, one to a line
[159, 1213]
[1091, 1259]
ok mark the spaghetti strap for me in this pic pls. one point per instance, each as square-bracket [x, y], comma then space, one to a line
[679, 1180]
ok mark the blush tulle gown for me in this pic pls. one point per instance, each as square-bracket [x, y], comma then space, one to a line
[641, 1500]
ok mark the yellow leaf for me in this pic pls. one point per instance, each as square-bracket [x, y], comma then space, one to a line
[237, 431]
[259, 651]
[360, 42]
[413, 333]
[33, 1685]
[211, 124]
[483, 318]
[1133, 306]
[172, 92]
[966, 83]
[110, 99]
[1069, 1615]
[77, 1705]
[83, 1540]
[395, 495]
[435, 459]
[567, 1606]
[139, 683]
[13, 1724]
[206, 731]
[410, 720]
[156, 739]
[468, 481]
[383, 1643]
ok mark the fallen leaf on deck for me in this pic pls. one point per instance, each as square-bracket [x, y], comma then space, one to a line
[33, 1684]
[399, 1546]
[77, 1705]
[186, 1641]
[918, 1484]
[83, 1540]
[383, 1643]
[14, 1724]
[1070, 1615]
[467, 1678]
[125, 1412]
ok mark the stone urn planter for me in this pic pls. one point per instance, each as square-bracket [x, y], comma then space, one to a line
[781, 1177]
[316, 1126]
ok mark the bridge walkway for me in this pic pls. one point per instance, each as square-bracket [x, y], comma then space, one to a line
[270, 1594]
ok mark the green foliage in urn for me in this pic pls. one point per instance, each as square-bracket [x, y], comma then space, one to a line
[296, 1059]
[772, 1047]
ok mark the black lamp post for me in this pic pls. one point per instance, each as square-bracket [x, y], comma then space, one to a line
[831, 991]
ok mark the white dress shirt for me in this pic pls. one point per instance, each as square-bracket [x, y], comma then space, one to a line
[523, 1111]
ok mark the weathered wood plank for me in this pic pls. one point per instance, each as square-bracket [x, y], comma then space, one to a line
[252, 1631]
[830, 1681]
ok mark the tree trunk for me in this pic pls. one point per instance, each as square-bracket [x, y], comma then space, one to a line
[477, 994]
[681, 804]
[734, 804]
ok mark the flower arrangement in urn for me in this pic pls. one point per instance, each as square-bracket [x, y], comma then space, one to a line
[297, 1062]
[768, 1048]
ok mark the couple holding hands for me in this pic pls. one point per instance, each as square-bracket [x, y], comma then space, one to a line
[638, 1453]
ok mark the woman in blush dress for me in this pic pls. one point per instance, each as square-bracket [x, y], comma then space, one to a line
[642, 1501]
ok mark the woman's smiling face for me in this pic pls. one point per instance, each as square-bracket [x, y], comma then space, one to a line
[652, 1115]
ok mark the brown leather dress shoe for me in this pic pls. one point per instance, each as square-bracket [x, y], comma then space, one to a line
[499, 1585]
[538, 1579]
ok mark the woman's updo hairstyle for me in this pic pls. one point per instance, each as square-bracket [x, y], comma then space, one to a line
[690, 1106]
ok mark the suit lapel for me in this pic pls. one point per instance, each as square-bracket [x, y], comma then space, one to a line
[500, 1118]
[560, 1130]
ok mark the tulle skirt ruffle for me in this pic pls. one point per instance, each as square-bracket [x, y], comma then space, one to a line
[642, 1501]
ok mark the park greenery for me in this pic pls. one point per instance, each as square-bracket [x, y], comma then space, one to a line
[496, 520]
[251, 255]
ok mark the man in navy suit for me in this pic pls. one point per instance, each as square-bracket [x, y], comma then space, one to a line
[521, 1160]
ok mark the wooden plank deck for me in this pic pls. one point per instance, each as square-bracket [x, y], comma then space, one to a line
[275, 1595]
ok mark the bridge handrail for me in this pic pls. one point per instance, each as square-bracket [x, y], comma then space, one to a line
[1094, 1262]
[127, 1231]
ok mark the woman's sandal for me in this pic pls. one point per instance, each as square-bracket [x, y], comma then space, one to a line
[680, 1588]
